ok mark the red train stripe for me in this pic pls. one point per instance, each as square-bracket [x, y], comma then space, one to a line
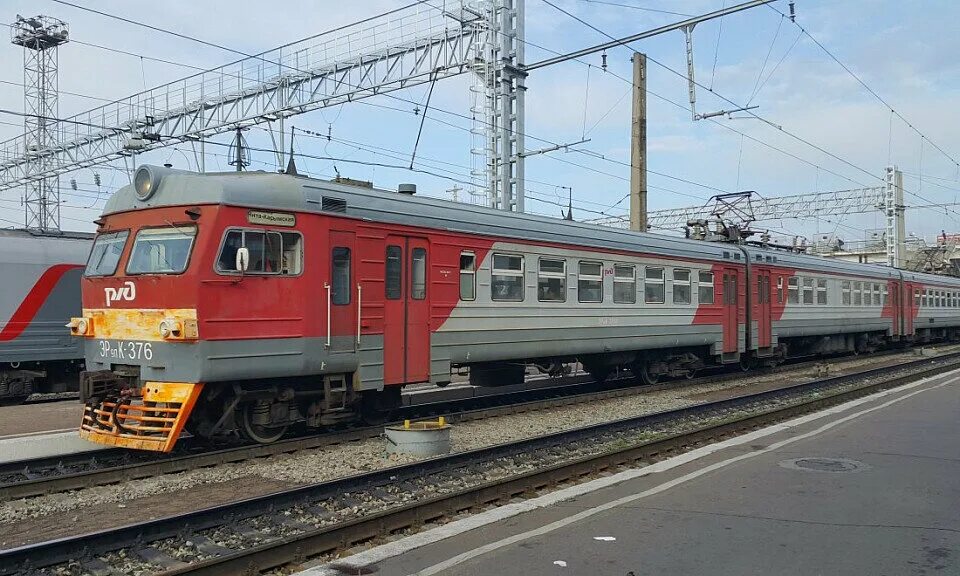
[34, 300]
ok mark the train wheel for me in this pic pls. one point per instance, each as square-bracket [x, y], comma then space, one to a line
[747, 362]
[642, 370]
[257, 432]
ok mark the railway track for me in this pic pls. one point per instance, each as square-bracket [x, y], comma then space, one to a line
[288, 527]
[49, 475]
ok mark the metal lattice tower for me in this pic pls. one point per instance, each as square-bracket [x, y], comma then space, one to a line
[498, 104]
[40, 37]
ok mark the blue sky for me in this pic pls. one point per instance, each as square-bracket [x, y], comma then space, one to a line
[905, 51]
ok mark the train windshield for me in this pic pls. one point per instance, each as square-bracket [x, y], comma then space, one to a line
[105, 254]
[161, 250]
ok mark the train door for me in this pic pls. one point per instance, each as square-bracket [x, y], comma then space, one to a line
[910, 303]
[406, 321]
[730, 326]
[343, 294]
[893, 289]
[763, 309]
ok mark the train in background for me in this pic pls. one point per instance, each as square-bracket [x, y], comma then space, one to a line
[39, 293]
[247, 303]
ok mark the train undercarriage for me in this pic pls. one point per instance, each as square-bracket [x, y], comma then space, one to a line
[122, 411]
[19, 380]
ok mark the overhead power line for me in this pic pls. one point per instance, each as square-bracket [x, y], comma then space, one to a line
[868, 88]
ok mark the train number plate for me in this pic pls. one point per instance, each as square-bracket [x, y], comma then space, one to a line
[124, 350]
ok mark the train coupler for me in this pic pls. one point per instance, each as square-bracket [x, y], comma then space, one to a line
[149, 418]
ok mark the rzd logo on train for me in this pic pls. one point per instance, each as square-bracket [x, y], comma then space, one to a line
[126, 292]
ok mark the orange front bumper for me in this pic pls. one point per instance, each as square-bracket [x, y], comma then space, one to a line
[152, 421]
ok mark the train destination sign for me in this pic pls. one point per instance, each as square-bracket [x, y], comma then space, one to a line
[271, 218]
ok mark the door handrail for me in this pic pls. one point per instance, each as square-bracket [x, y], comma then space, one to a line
[359, 306]
[326, 286]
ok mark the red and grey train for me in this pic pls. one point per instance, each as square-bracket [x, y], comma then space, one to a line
[39, 292]
[250, 302]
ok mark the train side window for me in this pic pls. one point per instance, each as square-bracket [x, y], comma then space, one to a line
[877, 301]
[867, 298]
[845, 292]
[292, 244]
[926, 298]
[780, 290]
[393, 278]
[808, 290]
[624, 284]
[653, 291]
[506, 278]
[821, 291]
[340, 276]
[590, 282]
[270, 252]
[916, 297]
[705, 287]
[681, 286]
[552, 280]
[857, 294]
[418, 273]
[793, 290]
[468, 276]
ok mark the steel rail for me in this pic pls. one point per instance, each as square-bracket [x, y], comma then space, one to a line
[83, 470]
[297, 547]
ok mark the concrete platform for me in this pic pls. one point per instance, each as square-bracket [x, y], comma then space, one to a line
[44, 444]
[871, 487]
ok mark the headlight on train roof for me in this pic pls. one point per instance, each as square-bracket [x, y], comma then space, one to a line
[145, 182]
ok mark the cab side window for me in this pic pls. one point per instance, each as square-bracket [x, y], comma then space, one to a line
[271, 252]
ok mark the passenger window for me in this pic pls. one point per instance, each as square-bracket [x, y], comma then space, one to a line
[393, 279]
[876, 295]
[590, 282]
[705, 288]
[808, 290]
[653, 292]
[681, 286]
[780, 290]
[916, 297]
[418, 274]
[793, 290]
[624, 284]
[821, 291]
[857, 299]
[506, 278]
[468, 276]
[340, 276]
[845, 292]
[552, 280]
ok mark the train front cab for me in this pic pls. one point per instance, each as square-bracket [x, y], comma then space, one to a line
[139, 320]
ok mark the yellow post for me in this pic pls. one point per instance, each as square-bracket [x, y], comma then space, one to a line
[406, 424]
[441, 421]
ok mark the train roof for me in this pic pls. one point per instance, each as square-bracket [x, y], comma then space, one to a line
[54, 235]
[272, 191]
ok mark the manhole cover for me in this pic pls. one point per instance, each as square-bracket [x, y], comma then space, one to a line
[819, 464]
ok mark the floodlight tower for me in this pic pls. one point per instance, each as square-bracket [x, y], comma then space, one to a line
[40, 37]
